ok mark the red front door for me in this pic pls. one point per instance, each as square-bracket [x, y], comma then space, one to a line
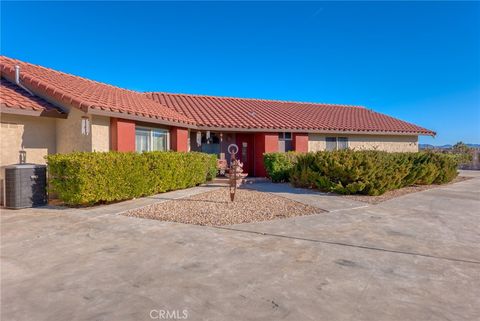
[245, 151]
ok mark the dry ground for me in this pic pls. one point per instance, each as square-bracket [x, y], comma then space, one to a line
[215, 209]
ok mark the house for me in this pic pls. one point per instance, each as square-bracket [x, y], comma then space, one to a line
[45, 111]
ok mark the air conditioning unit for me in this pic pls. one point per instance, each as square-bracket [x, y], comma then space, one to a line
[25, 185]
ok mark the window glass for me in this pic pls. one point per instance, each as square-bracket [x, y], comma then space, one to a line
[342, 142]
[142, 140]
[214, 138]
[211, 145]
[159, 140]
[331, 143]
[284, 136]
[149, 139]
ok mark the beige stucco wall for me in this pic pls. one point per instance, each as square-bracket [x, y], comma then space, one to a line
[36, 135]
[100, 133]
[42, 135]
[316, 142]
[70, 138]
[389, 143]
[69, 134]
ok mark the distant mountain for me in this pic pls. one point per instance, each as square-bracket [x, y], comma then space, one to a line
[447, 146]
[425, 146]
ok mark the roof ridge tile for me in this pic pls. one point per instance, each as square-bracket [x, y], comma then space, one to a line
[254, 99]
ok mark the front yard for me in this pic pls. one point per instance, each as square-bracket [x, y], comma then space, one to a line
[412, 258]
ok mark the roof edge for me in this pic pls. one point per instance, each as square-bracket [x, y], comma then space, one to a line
[139, 117]
[317, 131]
[26, 112]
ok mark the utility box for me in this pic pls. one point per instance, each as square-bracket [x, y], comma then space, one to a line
[25, 185]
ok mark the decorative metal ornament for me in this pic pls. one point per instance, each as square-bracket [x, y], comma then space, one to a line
[235, 173]
[232, 149]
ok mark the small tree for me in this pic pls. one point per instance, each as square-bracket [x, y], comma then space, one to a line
[461, 147]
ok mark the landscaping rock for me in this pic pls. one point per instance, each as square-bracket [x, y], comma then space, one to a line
[215, 208]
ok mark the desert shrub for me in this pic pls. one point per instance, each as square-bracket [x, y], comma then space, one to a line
[365, 172]
[446, 167]
[278, 165]
[460, 152]
[462, 158]
[90, 178]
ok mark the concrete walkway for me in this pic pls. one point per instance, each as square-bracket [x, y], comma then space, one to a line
[118, 208]
[438, 222]
[412, 258]
[324, 201]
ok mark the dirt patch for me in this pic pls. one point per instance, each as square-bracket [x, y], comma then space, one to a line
[399, 192]
[214, 208]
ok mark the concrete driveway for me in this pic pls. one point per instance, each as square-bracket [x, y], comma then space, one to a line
[416, 257]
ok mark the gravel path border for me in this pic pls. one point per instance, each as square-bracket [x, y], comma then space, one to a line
[214, 208]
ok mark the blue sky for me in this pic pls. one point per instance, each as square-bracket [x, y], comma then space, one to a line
[418, 61]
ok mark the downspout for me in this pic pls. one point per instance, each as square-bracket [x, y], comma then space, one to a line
[17, 80]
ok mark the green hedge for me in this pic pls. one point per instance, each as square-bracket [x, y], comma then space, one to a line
[279, 165]
[90, 178]
[363, 172]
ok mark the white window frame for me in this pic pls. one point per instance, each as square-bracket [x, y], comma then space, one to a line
[336, 142]
[281, 136]
[151, 130]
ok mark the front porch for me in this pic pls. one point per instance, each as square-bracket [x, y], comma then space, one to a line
[252, 146]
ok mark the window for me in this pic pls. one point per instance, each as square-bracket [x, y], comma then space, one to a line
[159, 140]
[331, 143]
[336, 143]
[285, 143]
[142, 140]
[213, 139]
[342, 142]
[150, 139]
[210, 145]
[284, 136]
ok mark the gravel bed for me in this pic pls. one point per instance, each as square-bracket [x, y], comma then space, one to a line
[399, 192]
[215, 209]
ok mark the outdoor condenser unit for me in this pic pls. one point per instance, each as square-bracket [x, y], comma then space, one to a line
[25, 185]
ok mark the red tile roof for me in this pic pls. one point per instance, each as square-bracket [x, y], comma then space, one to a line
[202, 111]
[86, 94]
[14, 97]
[226, 112]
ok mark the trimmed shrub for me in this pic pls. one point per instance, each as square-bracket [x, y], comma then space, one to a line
[90, 178]
[366, 172]
[279, 165]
